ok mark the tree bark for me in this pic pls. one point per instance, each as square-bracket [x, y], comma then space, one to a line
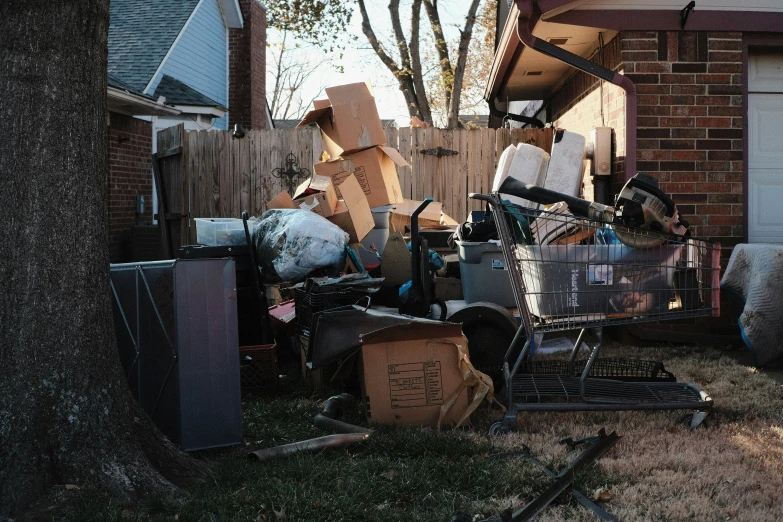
[442, 46]
[418, 78]
[459, 70]
[66, 415]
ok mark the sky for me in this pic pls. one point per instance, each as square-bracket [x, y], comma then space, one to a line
[360, 63]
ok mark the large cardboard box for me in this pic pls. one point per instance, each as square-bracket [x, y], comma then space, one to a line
[348, 120]
[281, 201]
[409, 371]
[374, 168]
[353, 212]
[316, 194]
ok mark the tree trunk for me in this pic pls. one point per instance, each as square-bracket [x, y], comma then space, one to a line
[66, 415]
[418, 77]
[462, 60]
[442, 46]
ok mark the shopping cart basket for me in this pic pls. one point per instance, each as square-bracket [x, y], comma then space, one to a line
[571, 273]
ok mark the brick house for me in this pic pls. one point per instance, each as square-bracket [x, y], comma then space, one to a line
[130, 162]
[196, 62]
[708, 88]
[699, 112]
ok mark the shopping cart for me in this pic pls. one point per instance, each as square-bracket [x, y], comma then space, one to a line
[572, 273]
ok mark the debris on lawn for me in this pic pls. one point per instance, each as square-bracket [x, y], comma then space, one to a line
[596, 447]
[317, 444]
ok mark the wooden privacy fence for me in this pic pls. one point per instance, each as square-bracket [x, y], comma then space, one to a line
[218, 176]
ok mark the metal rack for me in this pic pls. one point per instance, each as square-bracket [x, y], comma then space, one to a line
[570, 273]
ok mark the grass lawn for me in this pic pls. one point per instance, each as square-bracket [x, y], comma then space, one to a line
[731, 469]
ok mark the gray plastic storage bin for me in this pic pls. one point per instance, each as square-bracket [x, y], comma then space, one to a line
[484, 274]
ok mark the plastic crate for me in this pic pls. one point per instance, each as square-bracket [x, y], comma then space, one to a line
[258, 369]
[309, 303]
[484, 274]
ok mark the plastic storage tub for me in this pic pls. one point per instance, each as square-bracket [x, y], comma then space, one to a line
[220, 231]
[484, 274]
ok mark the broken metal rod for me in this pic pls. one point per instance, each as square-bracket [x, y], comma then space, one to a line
[317, 444]
[565, 478]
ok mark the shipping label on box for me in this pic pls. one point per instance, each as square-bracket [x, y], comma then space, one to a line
[348, 120]
[352, 213]
[316, 194]
[375, 170]
[408, 372]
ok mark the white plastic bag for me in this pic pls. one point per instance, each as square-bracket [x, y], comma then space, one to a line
[294, 243]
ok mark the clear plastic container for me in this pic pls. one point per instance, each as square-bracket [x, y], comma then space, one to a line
[220, 231]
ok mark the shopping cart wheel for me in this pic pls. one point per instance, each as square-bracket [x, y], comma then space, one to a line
[694, 420]
[499, 428]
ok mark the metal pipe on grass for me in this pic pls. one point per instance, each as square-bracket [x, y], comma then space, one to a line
[317, 444]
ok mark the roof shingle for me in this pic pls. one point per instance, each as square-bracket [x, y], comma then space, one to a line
[140, 35]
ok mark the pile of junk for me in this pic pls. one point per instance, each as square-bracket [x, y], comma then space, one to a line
[422, 317]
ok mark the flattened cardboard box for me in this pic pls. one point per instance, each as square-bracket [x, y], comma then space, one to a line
[375, 170]
[353, 212]
[409, 371]
[323, 202]
[401, 215]
[348, 120]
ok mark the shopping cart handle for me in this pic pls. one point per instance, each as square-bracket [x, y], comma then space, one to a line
[481, 197]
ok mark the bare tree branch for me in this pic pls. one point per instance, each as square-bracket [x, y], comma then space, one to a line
[462, 58]
[406, 84]
[418, 78]
[441, 45]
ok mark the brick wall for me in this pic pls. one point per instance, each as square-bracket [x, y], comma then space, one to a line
[583, 103]
[130, 174]
[689, 87]
[247, 68]
[690, 123]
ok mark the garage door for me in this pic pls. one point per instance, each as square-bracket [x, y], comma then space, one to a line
[765, 148]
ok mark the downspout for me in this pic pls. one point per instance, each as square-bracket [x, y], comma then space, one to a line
[526, 37]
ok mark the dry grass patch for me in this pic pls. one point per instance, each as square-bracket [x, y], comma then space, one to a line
[730, 469]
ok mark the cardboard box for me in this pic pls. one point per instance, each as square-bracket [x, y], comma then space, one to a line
[353, 212]
[316, 194]
[401, 215]
[281, 201]
[374, 168]
[409, 371]
[348, 120]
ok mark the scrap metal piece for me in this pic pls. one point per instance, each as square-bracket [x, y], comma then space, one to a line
[565, 478]
[317, 444]
[578, 495]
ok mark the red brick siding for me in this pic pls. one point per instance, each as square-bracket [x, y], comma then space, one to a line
[577, 107]
[690, 124]
[247, 68]
[130, 174]
[690, 111]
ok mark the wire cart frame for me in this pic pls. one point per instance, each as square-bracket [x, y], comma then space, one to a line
[571, 273]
